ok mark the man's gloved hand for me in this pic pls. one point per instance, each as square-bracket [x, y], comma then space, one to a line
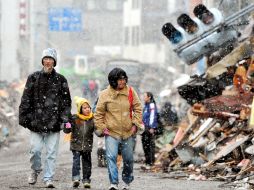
[68, 125]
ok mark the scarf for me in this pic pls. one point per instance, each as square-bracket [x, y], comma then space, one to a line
[85, 117]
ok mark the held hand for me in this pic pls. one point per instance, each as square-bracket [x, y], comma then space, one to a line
[140, 129]
[106, 131]
[134, 129]
[67, 125]
[151, 131]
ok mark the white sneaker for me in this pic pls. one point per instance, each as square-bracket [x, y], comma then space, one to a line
[113, 187]
[145, 167]
[148, 167]
[126, 186]
[49, 184]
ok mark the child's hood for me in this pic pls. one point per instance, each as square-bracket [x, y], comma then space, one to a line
[79, 102]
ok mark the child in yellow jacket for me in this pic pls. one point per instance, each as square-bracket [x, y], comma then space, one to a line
[81, 127]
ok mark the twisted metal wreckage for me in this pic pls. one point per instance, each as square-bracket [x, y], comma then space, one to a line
[218, 141]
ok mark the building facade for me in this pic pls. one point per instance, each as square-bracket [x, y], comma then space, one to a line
[9, 67]
[29, 26]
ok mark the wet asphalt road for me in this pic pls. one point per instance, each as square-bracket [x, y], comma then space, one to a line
[14, 169]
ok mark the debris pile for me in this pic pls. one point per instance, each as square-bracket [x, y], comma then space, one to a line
[216, 140]
[10, 94]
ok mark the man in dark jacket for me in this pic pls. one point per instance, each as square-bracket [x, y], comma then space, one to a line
[45, 105]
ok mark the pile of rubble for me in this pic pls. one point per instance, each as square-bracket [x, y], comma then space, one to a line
[10, 94]
[216, 140]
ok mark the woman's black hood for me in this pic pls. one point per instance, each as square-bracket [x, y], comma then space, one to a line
[116, 74]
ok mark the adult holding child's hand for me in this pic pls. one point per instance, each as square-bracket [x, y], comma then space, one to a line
[115, 115]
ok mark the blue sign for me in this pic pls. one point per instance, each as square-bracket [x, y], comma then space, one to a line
[65, 19]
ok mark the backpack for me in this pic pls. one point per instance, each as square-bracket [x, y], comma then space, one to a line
[160, 127]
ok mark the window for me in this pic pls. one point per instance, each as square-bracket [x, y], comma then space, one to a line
[126, 36]
[135, 35]
[112, 5]
[135, 4]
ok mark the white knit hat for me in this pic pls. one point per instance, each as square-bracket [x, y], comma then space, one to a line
[49, 52]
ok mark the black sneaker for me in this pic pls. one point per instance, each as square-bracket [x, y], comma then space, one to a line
[75, 183]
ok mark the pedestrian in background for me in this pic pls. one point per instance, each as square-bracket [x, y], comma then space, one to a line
[150, 120]
[168, 114]
[117, 117]
[81, 127]
[45, 105]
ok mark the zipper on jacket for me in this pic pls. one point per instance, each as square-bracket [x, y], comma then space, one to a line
[121, 117]
[83, 136]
